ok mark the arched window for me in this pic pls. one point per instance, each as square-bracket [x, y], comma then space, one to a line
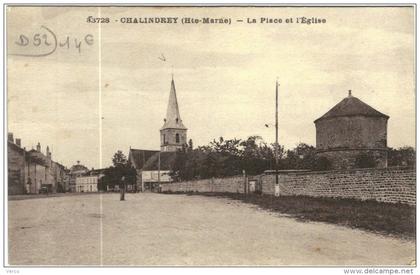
[164, 139]
[177, 138]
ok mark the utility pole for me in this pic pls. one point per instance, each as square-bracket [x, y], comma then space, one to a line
[277, 139]
[158, 170]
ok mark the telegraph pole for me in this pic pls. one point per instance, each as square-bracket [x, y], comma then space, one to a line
[158, 170]
[277, 135]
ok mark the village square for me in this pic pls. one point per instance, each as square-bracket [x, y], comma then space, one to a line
[210, 136]
[158, 222]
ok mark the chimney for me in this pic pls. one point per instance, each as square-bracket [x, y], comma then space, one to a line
[48, 152]
[10, 137]
[350, 93]
[18, 142]
[38, 147]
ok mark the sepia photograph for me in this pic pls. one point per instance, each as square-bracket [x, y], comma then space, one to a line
[210, 136]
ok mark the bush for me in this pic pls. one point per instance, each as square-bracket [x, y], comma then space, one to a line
[322, 164]
[404, 156]
[365, 160]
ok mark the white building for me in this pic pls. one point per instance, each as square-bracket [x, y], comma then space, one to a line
[89, 181]
[150, 179]
[153, 176]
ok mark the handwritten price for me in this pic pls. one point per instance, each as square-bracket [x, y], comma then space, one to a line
[48, 42]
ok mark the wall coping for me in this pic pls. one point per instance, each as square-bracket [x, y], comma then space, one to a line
[343, 171]
[336, 149]
[231, 177]
[286, 171]
[307, 172]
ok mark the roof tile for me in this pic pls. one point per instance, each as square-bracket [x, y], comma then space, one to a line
[351, 106]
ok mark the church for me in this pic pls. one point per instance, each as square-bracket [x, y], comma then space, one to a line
[154, 167]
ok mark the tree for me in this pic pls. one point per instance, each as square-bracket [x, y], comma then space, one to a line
[190, 145]
[179, 169]
[322, 164]
[223, 158]
[102, 183]
[228, 157]
[257, 156]
[114, 173]
[303, 156]
[403, 156]
[119, 159]
[365, 160]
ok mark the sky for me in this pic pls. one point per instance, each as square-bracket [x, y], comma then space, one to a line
[112, 93]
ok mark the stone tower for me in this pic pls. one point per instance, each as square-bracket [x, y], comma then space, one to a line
[173, 134]
[349, 129]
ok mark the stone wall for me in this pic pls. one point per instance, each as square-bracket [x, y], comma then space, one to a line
[231, 185]
[388, 185]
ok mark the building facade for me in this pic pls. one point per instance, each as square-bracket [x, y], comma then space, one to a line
[88, 182]
[30, 171]
[350, 130]
[76, 171]
[67, 180]
[58, 172]
[16, 160]
[137, 158]
[157, 169]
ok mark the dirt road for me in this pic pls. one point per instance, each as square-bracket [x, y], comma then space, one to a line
[157, 229]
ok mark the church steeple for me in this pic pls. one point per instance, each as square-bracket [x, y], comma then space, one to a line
[173, 118]
[173, 134]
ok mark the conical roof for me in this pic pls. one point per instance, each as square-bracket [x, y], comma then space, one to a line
[173, 118]
[352, 106]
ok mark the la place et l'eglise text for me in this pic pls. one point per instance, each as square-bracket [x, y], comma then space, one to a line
[209, 20]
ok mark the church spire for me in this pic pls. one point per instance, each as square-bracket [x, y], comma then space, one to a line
[173, 134]
[173, 118]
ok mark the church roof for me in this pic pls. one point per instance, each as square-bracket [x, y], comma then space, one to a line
[78, 167]
[95, 172]
[173, 118]
[167, 160]
[139, 157]
[351, 106]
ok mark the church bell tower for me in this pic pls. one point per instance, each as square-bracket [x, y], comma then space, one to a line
[173, 134]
